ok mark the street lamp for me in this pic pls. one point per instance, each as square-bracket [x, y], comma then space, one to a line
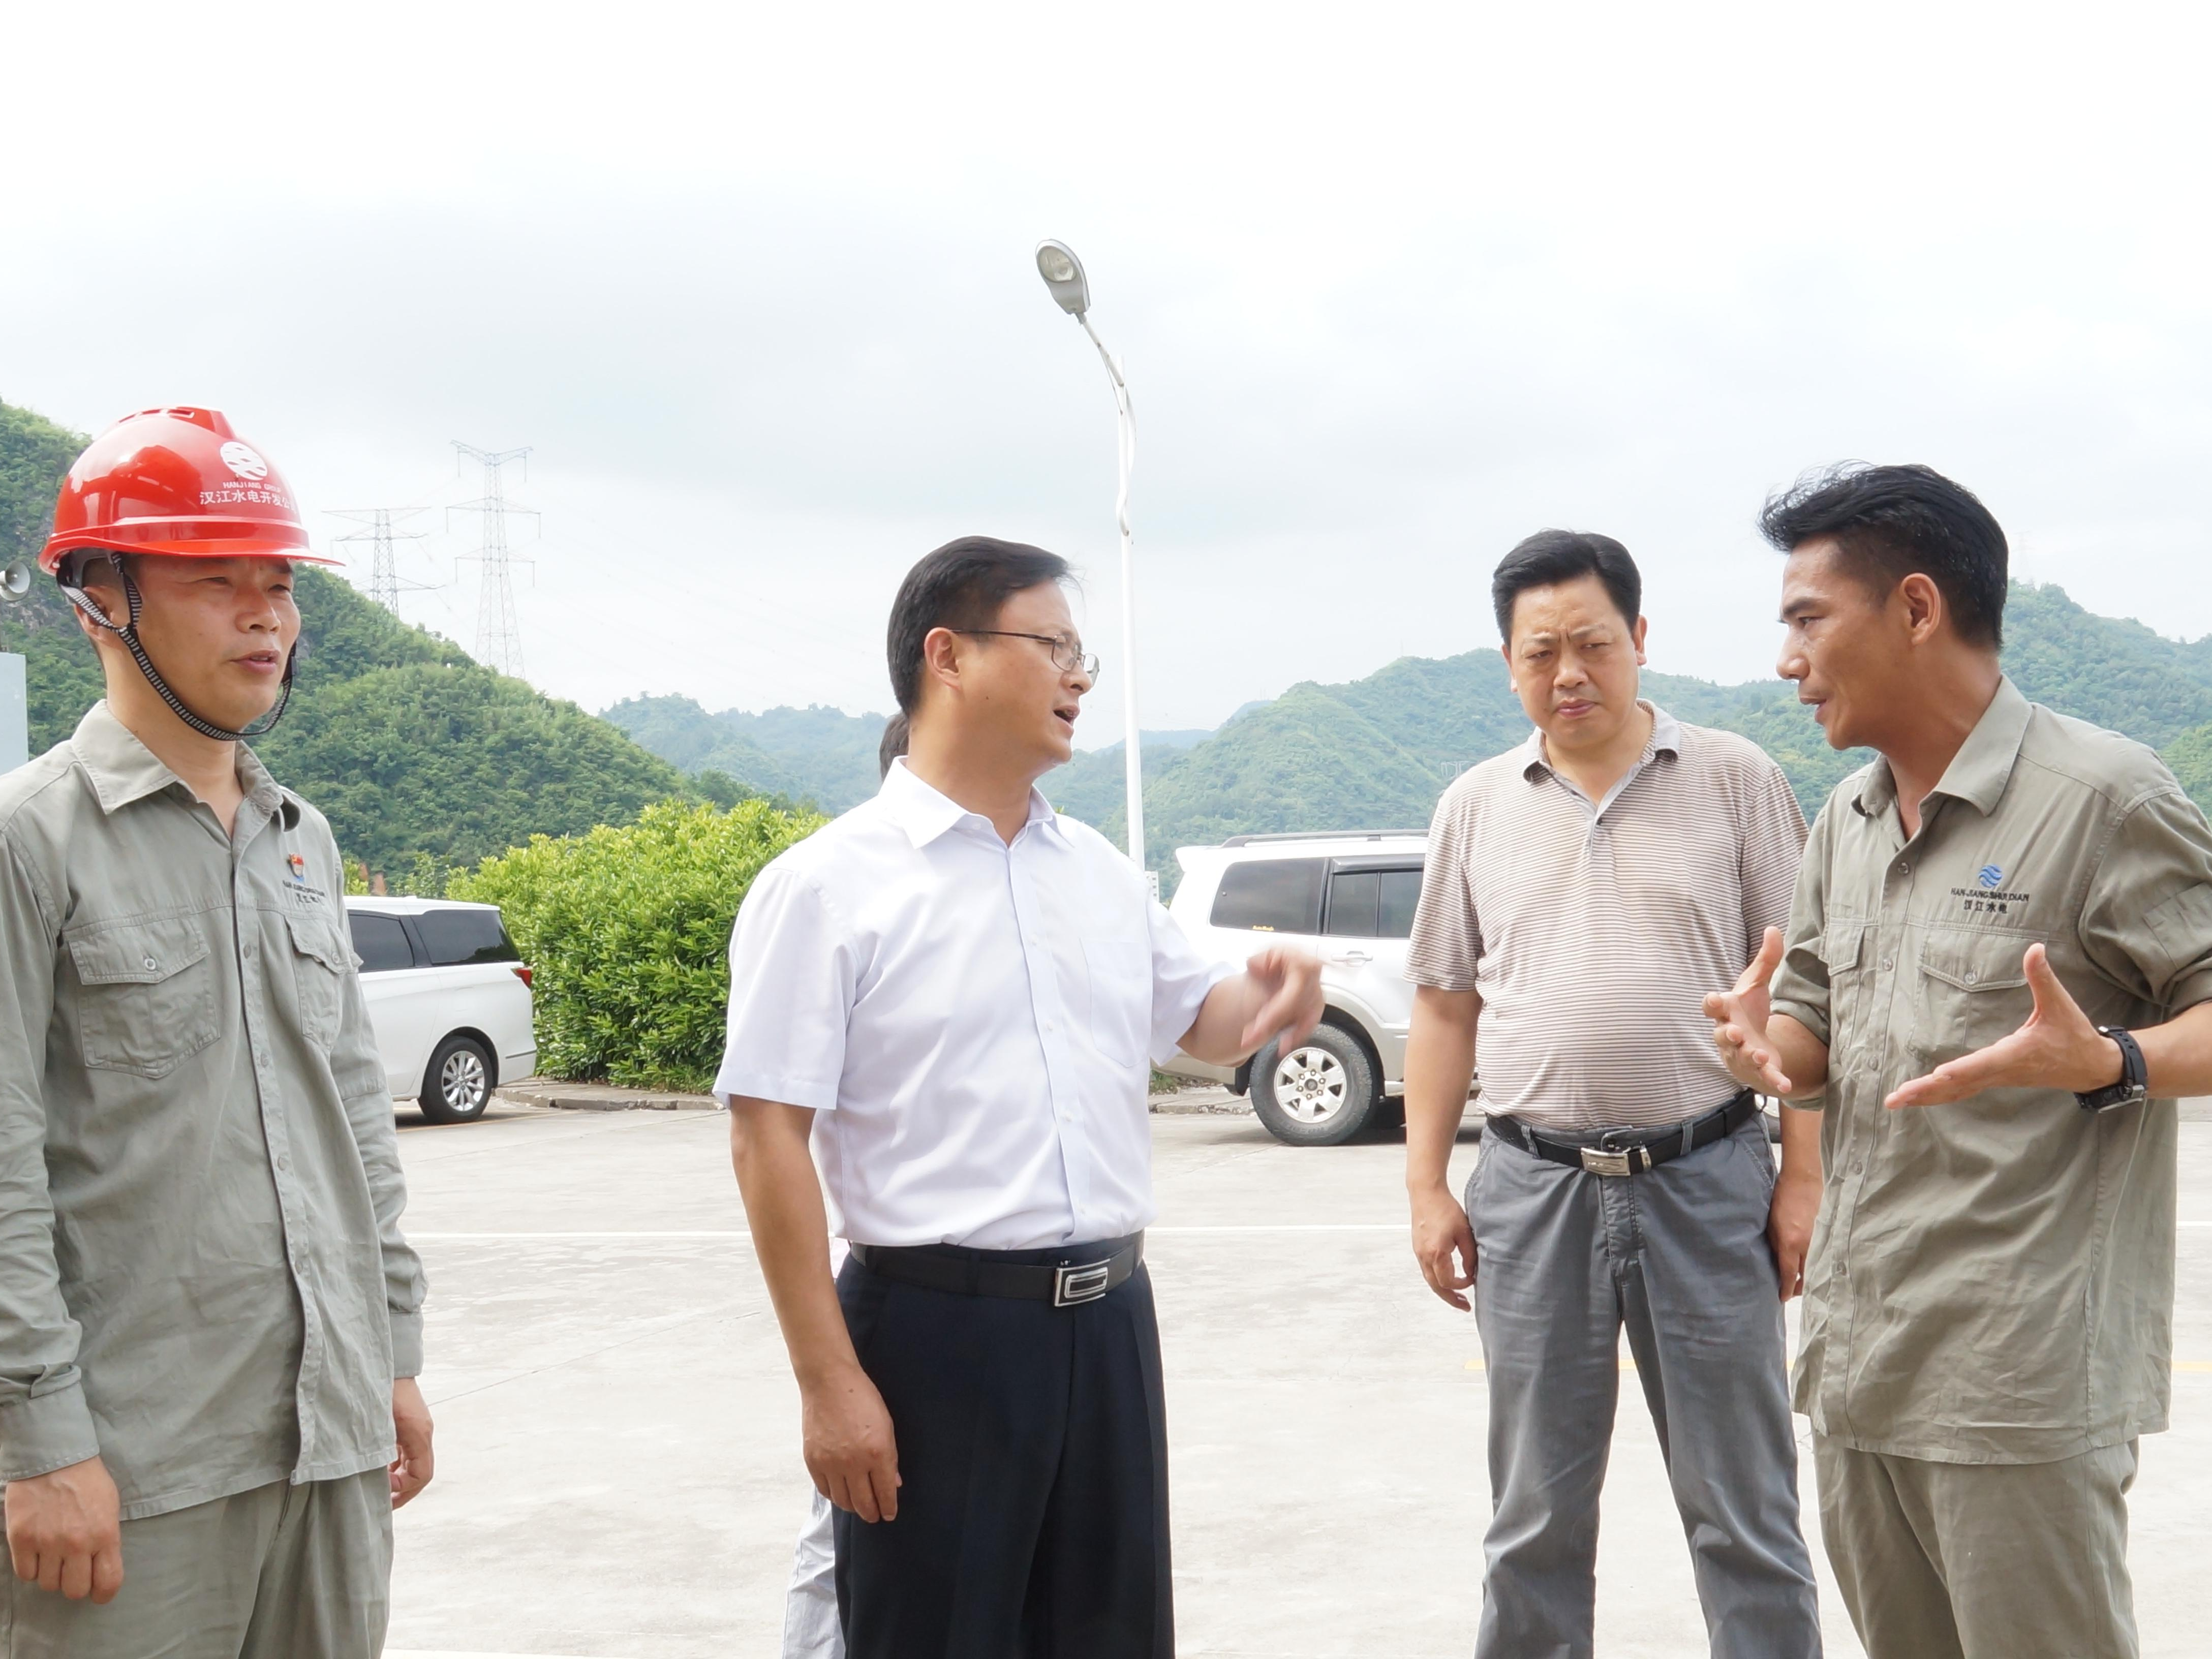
[1063, 274]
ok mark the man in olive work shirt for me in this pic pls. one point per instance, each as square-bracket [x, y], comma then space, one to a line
[209, 1323]
[1989, 1298]
[1579, 890]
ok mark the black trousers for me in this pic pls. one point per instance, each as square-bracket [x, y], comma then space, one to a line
[1032, 1446]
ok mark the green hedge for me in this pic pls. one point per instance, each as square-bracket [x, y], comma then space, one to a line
[627, 930]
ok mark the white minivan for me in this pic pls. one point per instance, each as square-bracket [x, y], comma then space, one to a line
[1349, 898]
[450, 998]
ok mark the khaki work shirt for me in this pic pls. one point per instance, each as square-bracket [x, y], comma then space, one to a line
[1992, 1281]
[202, 1276]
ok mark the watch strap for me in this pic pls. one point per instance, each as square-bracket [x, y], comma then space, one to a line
[2134, 1074]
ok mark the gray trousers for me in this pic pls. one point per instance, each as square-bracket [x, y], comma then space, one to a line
[278, 1572]
[1678, 1256]
[1982, 1560]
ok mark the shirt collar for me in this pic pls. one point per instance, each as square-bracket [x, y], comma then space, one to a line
[122, 769]
[1980, 770]
[925, 814]
[1666, 737]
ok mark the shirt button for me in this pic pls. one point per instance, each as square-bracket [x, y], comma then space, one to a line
[1970, 976]
[1049, 1026]
[151, 964]
[1904, 867]
[1843, 1270]
[1884, 964]
[282, 1162]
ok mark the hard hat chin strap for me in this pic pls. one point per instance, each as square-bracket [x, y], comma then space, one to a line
[72, 583]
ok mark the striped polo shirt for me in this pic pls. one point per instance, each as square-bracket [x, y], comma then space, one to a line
[1594, 929]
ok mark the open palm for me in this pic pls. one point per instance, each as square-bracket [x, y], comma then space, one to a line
[1740, 1015]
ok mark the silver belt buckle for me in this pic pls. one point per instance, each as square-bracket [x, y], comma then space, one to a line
[1073, 1286]
[1603, 1161]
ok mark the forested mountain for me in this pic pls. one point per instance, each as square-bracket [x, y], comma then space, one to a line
[421, 759]
[1376, 753]
[815, 754]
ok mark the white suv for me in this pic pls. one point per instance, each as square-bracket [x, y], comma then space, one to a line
[1349, 898]
[450, 999]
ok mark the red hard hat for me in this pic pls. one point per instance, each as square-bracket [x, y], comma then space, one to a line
[175, 481]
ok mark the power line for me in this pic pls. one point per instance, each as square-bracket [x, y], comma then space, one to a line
[499, 634]
[384, 585]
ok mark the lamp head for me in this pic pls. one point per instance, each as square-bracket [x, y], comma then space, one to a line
[1063, 274]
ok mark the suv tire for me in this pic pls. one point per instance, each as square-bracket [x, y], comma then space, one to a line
[457, 1084]
[1321, 1093]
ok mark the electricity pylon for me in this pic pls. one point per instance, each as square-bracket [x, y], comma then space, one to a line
[498, 635]
[384, 585]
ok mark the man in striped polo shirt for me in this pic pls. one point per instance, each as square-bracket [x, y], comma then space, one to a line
[1582, 891]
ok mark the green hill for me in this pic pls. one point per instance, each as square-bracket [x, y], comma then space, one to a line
[817, 754]
[421, 759]
[1375, 753]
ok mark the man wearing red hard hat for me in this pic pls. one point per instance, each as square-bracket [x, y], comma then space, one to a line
[209, 1322]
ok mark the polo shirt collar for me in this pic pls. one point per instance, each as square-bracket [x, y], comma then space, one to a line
[924, 814]
[121, 769]
[1980, 770]
[1666, 738]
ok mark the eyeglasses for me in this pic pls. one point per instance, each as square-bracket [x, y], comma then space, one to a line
[1067, 655]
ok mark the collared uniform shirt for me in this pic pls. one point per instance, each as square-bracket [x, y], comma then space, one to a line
[202, 1276]
[973, 1023]
[1594, 929]
[1992, 1281]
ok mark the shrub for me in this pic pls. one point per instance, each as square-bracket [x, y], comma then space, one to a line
[626, 930]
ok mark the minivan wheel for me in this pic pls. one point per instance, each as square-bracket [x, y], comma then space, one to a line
[1321, 1093]
[456, 1085]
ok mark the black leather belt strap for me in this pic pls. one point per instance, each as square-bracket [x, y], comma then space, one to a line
[1098, 1269]
[1627, 1151]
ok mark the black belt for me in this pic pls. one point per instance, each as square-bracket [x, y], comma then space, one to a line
[1628, 1152]
[986, 1272]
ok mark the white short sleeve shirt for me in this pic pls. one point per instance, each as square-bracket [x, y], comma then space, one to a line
[973, 1023]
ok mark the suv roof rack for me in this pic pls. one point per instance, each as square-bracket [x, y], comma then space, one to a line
[1323, 835]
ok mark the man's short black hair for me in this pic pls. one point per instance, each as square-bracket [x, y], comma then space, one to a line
[961, 584]
[892, 744]
[1891, 521]
[1551, 556]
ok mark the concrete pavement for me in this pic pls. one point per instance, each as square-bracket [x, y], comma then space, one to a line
[618, 1433]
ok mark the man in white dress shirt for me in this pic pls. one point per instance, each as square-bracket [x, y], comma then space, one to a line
[947, 1003]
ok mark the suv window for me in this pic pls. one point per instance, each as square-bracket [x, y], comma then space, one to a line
[1274, 896]
[380, 943]
[1353, 895]
[1372, 903]
[1399, 897]
[456, 938]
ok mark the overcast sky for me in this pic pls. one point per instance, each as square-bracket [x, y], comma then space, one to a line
[1394, 286]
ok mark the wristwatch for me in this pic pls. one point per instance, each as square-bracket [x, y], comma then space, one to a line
[2135, 1075]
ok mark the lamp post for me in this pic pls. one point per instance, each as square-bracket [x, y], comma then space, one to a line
[1063, 274]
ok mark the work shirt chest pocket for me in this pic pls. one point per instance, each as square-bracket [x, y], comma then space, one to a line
[1121, 972]
[319, 960]
[1841, 945]
[147, 1003]
[1971, 990]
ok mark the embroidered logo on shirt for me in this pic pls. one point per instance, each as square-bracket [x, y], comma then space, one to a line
[299, 870]
[1991, 876]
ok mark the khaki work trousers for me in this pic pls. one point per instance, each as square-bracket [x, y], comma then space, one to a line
[1982, 1560]
[278, 1572]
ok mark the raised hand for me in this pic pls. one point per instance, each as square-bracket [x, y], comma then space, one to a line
[1740, 1015]
[2058, 1048]
[1287, 982]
